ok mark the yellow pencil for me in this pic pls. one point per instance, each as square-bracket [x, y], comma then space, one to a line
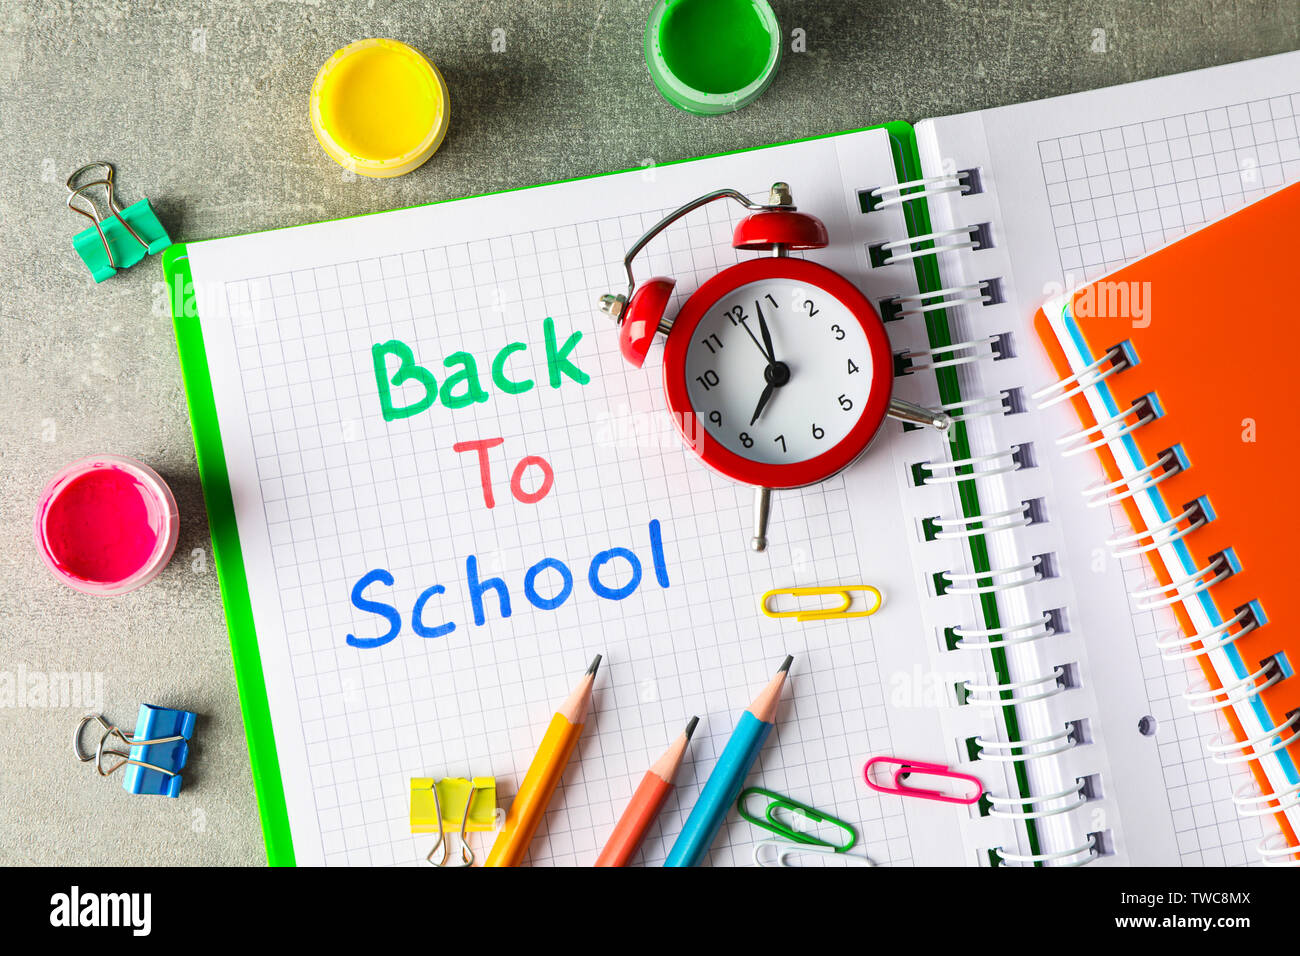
[543, 774]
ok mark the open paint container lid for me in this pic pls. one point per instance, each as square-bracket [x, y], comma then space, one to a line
[712, 56]
[106, 525]
[379, 108]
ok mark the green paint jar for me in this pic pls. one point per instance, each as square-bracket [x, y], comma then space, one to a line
[712, 56]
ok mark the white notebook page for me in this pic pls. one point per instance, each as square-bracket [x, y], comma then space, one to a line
[1074, 187]
[326, 491]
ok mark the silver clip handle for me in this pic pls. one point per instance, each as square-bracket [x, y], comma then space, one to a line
[673, 216]
[79, 192]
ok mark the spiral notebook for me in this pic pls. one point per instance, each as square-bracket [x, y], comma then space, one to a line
[327, 513]
[1065, 191]
[1196, 442]
[311, 490]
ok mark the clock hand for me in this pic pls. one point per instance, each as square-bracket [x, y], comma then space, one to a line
[776, 375]
[762, 401]
[767, 355]
[767, 336]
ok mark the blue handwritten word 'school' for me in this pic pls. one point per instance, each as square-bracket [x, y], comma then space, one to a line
[479, 588]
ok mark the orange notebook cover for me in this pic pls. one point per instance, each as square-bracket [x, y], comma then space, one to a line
[1207, 327]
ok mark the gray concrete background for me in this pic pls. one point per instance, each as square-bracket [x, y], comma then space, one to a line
[203, 108]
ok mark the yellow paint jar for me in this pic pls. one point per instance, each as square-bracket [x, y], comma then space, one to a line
[378, 107]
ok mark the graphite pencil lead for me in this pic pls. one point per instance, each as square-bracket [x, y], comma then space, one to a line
[595, 664]
[785, 667]
[690, 728]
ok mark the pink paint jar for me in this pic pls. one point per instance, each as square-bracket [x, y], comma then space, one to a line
[106, 525]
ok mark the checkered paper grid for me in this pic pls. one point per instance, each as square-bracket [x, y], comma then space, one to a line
[1207, 826]
[1116, 194]
[345, 492]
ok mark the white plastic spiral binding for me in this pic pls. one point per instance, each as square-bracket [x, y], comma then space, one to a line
[1162, 534]
[1227, 749]
[990, 695]
[1277, 852]
[1053, 744]
[985, 407]
[969, 638]
[983, 524]
[1089, 851]
[1012, 463]
[1029, 688]
[1253, 802]
[1070, 444]
[923, 302]
[1000, 806]
[1144, 479]
[900, 250]
[972, 348]
[1018, 576]
[925, 187]
[1200, 697]
[1178, 646]
[1187, 586]
[1082, 380]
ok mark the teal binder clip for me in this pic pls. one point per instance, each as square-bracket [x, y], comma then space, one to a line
[120, 239]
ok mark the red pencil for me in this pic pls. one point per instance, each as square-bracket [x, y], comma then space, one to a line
[644, 807]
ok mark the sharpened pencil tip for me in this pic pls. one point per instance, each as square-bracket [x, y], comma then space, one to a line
[595, 665]
[690, 728]
[785, 666]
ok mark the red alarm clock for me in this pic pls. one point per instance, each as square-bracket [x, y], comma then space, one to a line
[777, 370]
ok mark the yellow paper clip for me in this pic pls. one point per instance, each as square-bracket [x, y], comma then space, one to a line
[453, 804]
[826, 613]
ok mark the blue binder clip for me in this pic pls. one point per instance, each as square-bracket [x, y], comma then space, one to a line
[119, 239]
[157, 749]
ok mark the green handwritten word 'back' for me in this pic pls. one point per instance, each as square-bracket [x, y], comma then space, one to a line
[417, 388]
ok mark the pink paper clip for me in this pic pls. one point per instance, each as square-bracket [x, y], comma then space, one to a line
[906, 767]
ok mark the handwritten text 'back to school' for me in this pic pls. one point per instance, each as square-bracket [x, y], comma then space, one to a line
[412, 389]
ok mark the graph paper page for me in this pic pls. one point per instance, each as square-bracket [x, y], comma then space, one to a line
[1075, 187]
[328, 492]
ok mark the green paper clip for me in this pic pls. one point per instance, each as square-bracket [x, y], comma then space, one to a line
[119, 239]
[774, 825]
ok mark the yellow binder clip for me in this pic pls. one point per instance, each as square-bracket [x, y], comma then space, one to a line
[826, 613]
[453, 804]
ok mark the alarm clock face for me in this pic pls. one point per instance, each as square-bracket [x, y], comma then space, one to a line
[789, 374]
[790, 405]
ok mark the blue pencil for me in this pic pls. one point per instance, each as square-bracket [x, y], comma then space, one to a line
[728, 776]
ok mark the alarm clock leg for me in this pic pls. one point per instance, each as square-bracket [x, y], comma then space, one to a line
[762, 505]
[905, 411]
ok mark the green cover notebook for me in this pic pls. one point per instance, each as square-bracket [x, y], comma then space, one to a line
[232, 266]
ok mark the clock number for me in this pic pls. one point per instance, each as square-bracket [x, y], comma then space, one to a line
[772, 300]
[852, 368]
[716, 417]
[781, 439]
[846, 403]
[708, 379]
[705, 341]
[746, 440]
[736, 314]
[839, 333]
[818, 433]
[812, 309]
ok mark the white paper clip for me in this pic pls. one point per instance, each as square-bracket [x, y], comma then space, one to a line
[784, 851]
